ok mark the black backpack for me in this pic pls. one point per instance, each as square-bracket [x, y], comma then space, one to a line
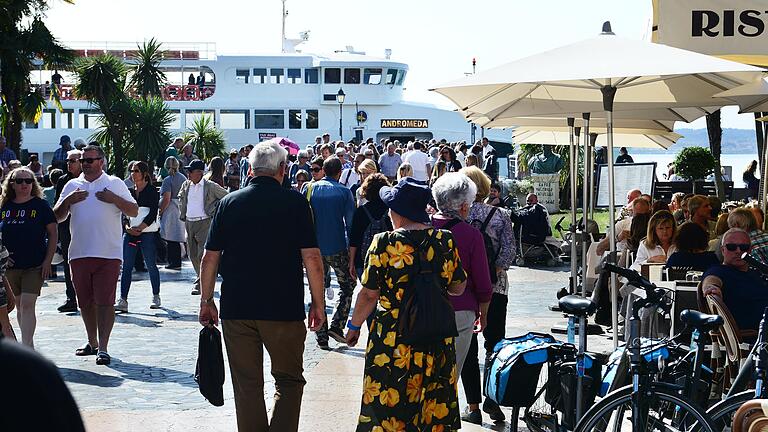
[375, 226]
[490, 253]
[426, 314]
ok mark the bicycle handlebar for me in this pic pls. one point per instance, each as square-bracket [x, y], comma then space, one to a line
[653, 294]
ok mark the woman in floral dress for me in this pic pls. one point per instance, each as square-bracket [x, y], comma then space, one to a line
[406, 388]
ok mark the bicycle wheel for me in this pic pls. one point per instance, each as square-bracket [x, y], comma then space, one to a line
[667, 411]
[722, 412]
[540, 416]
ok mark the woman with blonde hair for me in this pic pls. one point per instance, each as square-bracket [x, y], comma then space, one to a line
[405, 170]
[366, 168]
[29, 232]
[658, 244]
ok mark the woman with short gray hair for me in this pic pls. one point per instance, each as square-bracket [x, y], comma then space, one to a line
[454, 194]
[171, 228]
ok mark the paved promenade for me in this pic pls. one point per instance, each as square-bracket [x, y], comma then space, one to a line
[150, 387]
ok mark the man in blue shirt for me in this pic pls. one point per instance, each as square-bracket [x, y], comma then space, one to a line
[333, 207]
[6, 154]
[390, 162]
[244, 166]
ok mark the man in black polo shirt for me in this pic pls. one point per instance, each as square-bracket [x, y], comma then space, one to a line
[262, 293]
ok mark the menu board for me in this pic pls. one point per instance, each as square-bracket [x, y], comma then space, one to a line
[626, 177]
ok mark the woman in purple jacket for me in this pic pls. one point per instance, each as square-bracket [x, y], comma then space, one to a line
[454, 194]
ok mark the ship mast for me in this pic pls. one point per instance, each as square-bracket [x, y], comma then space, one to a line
[285, 14]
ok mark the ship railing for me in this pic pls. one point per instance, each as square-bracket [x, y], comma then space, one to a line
[170, 92]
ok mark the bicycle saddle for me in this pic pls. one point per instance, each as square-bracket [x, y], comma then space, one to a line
[701, 321]
[577, 305]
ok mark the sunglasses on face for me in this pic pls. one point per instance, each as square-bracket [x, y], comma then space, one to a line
[316, 169]
[741, 246]
[19, 181]
[90, 160]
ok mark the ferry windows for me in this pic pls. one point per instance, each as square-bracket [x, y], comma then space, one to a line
[68, 118]
[48, 119]
[372, 76]
[276, 76]
[235, 119]
[400, 77]
[89, 119]
[191, 115]
[242, 76]
[351, 76]
[391, 76]
[269, 119]
[175, 120]
[259, 75]
[312, 119]
[294, 76]
[311, 76]
[332, 76]
[294, 119]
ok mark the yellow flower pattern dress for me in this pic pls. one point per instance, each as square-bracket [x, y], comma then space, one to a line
[405, 388]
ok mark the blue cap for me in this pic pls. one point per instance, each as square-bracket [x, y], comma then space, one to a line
[196, 164]
[408, 198]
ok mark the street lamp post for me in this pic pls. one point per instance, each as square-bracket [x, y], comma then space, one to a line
[340, 99]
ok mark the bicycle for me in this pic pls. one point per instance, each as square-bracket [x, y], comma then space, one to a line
[651, 405]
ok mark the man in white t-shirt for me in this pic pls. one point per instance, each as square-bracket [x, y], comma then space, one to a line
[419, 161]
[96, 201]
[349, 176]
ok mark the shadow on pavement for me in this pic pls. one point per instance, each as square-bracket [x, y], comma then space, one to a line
[146, 373]
[352, 352]
[129, 318]
[77, 376]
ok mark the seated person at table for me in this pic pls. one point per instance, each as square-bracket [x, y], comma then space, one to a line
[742, 289]
[691, 244]
[532, 222]
[638, 231]
[622, 227]
[657, 245]
[745, 219]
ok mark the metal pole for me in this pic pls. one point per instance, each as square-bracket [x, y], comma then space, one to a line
[341, 135]
[764, 174]
[592, 144]
[584, 206]
[572, 167]
[609, 92]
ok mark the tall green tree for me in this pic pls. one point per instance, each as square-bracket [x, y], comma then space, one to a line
[147, 79]
[25, 42]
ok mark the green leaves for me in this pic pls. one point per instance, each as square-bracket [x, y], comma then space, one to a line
[206, 139]
[694, 163]
[147, 79]
[147, 134]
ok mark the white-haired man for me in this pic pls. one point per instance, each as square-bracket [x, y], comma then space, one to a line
[265, 311]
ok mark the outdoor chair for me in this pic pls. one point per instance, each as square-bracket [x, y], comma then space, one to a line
[751, 417]
[731, 338]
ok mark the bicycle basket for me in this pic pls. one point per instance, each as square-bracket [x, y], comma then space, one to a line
[514, 368]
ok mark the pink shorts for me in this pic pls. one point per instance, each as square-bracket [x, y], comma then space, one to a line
[95, 280]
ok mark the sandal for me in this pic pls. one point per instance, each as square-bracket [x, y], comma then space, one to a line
[87, 350]
[102, 358]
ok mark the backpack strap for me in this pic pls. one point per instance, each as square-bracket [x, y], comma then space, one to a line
[309, 192]
[451, 223]
[483, 227]
[367, 213]
[349, 173]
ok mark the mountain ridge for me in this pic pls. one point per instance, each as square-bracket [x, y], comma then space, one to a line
[735, 141]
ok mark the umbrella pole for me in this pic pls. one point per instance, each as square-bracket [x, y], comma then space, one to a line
[592, 144]
[609, 92]
[572, 167]
[585, 206]
[764, 173]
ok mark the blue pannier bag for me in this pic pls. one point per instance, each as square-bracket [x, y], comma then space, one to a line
[514, 369]
[617, 370]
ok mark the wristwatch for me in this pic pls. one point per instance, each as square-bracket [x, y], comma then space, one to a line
[208, 302]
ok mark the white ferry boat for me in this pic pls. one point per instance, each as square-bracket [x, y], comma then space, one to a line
[252, 98]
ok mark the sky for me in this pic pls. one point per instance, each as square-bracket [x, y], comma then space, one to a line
[437, 39]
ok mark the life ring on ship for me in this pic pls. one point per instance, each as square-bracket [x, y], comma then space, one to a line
[172, 93]
[191, 92]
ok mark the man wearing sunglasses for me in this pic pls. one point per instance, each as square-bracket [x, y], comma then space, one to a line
[96, 202]
[742, 289]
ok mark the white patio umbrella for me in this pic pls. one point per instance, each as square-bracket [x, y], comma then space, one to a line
[605, 73]
[561, 136]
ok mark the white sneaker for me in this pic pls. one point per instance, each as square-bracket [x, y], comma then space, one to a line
[122, 305]
[155, 302]
[329, 293]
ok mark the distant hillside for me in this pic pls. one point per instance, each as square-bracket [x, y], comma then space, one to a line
[735, 141]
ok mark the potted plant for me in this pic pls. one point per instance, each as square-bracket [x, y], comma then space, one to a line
[694, 163]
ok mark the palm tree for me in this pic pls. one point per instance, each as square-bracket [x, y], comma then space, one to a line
[148, 134]
[25, 41]
[147, 78]
[101, 80]
[206, 140]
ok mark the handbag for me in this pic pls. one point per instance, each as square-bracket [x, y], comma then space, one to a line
[136, 221]
[426, 315]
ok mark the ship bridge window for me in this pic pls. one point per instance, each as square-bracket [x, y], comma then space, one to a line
[89, 119]
[311, 76]
[391, 76]
[294, 119]
[259, 75]
[400, 77]
[332, 76]
[67, 118]
[294, 76]
[269, 119]
[235, 119]
[242, 76]
[276, 76]
[352, 76]
[312, 119]
[372, 76]
[190, 116]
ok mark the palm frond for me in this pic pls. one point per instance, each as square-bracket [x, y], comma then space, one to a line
[32, 106]
[147, 78]
[148, 135]
[206, 139]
